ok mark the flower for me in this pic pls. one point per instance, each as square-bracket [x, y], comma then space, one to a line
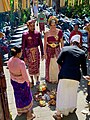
[52, 18]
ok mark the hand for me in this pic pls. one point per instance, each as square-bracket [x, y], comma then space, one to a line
[42, 57]
[86, 77]
[28, 83]
[25, 60]
[45, 56]
[88, 57]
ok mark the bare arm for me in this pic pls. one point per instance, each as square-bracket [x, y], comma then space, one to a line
[62, 42]
[45, 44]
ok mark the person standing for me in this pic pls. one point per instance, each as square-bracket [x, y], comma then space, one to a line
[31, 40]
[35, 10]
[87, 28]
[21, 83]
[76, 32]
[41, 20]
[71, 59]
[53, 42]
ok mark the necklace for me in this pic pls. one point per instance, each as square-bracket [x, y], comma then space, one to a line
[55, 34]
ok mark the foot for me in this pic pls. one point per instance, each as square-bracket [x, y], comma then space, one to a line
[57, 117]
[30, 116]
[85, 111]
[31, 85]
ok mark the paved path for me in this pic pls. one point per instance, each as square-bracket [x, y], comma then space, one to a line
[45, 113]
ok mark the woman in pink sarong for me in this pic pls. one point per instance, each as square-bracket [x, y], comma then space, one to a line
[53, 42]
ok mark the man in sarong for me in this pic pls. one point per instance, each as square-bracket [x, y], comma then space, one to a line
[30, 42]
[41, 20]
[72, 60]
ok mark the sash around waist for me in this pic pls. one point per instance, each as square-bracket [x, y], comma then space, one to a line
[53, 45]
[16, 75]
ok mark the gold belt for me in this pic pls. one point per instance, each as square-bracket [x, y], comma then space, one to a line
[53, 45]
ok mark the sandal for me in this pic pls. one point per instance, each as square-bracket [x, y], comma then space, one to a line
[57, 117]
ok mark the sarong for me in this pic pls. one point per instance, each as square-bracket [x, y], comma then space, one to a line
[66, 100]
[42, 27]
[52, 68]
[33, 59]
[23, 96]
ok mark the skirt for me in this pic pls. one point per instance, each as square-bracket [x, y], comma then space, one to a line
[53, 70]
[66, 100]
[23, 96]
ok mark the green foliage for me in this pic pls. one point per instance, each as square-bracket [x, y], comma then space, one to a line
[80, 10]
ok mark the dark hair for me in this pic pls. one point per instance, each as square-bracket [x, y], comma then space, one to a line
[15, 50]
[76, 24]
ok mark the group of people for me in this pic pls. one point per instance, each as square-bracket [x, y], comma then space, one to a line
[62, 66]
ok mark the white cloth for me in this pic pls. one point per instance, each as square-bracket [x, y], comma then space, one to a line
[75, 38]
[66, 100]
[53, 70]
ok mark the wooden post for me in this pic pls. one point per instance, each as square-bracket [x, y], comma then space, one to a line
[28, 3]
[23, 4]
[69, 2]
[50, 3]
[15, 4]
[3, 94]
[62, 3]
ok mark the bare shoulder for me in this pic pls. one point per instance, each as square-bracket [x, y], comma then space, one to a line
[47, 33]
[57, 29]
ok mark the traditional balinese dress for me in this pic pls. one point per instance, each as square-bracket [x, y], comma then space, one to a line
[52, 50]
[30, 43]
[19, 80]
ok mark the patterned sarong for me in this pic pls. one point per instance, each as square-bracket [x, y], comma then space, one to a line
[23, 96]
[33, 59]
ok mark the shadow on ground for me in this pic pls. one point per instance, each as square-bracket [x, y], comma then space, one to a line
[87, 117]
[70, 117]
[22, 117]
